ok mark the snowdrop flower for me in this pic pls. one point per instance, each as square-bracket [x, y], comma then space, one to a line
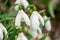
[48, 24]
[22, 2]
[40, 18]
[25, 3]
[34, 21]
[1, 35]
[34, 24]
[22, 15]
[21, 36]
[18, 19]
[25, 17]
[3, 29]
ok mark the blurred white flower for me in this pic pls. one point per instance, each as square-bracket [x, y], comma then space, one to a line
[22, 15]
[3, 29]
[34, 24]
[21, 36]
[34, 21]
[25, 17]
[40, 18]
[48, 24]
[22, 2]
[25, 3]
[18, 1]
[1, 35]
[18, 19]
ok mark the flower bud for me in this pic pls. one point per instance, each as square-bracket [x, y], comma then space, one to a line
[48, 24]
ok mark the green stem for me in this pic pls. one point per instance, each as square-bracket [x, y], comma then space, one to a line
[5, 2]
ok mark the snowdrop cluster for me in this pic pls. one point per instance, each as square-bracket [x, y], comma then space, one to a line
[33, 22]
[3, 29]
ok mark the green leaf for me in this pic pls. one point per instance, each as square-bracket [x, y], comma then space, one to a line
[46, 20]
[44, 37]
[51, 9]
[12, 34]
[41, 26]
[29, 36]
[8, 16]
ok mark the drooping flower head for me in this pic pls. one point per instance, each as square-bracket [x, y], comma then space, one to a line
[24, 3]
[34, 21]
[22, 15]
[47, 24]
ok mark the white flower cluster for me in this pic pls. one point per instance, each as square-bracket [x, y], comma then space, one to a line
[35, 20]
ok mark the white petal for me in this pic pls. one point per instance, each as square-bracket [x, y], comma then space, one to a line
[40, 18]
[1, 26]
[34, 21]
[1, 35]
[33, 33]
[16, 7]
[25, 17]
[39, 30]
[25, 3]
[18, 1]
[21, 36]
[48, 24]
[18, 38]
[4, 29]
[18, 19]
